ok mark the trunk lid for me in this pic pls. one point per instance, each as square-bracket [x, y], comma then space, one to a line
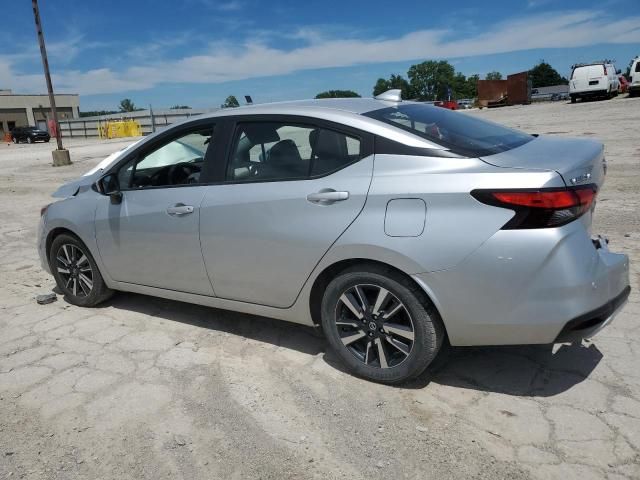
[578, 161]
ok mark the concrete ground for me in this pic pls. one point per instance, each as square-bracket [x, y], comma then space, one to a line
[149, 388]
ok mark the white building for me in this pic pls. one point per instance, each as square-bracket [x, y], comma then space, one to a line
[18, 110]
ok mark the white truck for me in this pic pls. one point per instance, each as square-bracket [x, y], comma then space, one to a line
[634, 77]
[597, 79]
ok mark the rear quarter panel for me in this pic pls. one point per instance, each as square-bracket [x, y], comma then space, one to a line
[455, 225]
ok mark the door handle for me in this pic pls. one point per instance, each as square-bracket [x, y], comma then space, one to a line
[327, 197]
[179, 209]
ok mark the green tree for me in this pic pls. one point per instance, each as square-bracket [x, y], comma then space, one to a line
[544, 75]
[179, 107]
[126, 105]
[493, 76]
[394, 81]
[429, 80]
[338, 94]
[472, 86]
[231, 102]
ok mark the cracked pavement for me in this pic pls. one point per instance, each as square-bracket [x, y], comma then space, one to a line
[147, 388]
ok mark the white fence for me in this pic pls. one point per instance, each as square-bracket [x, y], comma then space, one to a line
[89, 126]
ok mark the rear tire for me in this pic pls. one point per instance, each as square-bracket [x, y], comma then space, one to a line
[573, 99]
[76, 272]
[14, 140]
[381, 325]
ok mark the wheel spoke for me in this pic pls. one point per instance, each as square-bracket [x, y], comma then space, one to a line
[393, 311]
[353, 338]
[398, 345]
[350, 303]
[381, 299]
[381, 355]
[83, 287]
[400, 330]
[86, 281]
[348, 323]
[63, 270]
[75, 286]
[66, 254]
[62, 260]
[367, 353]
[361, 297]
[82, 260]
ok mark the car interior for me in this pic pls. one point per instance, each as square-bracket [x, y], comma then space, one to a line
[178, 162]
[268, 151]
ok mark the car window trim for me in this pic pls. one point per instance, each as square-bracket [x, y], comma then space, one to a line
[366, 141]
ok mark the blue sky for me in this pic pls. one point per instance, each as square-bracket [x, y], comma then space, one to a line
[196, 52]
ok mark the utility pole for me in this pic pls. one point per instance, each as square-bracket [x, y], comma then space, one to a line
[60, 156]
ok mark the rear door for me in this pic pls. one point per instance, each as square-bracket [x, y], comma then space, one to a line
[291, 187]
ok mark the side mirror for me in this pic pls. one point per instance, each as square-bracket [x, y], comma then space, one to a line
[618, 72]
[109, 185]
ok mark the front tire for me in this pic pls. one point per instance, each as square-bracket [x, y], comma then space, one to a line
[381, 325]
[14, 140]
[29, 140]
[573, 99]
[76, 272]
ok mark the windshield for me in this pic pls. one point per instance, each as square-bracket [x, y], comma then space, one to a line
[459, 132]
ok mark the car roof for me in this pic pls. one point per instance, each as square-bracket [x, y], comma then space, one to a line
[346, 111]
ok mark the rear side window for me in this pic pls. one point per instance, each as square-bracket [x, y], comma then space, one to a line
[637, 67]
[459, 132]
[268, 151]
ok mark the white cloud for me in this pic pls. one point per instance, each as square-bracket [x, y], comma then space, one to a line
[225, 62]
[231, 6]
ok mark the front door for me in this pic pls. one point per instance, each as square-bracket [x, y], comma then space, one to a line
[152, 237]
[290, 191]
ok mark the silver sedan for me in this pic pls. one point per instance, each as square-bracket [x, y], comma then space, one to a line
[394, 226]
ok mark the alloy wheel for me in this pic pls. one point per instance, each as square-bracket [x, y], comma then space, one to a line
[374, 325]
[74, 268]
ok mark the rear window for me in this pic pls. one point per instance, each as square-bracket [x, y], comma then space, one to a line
[590, 71]
[461, 133]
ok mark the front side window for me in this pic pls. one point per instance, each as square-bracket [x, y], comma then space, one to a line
[266, 151]
[461, 133]
[177, 162]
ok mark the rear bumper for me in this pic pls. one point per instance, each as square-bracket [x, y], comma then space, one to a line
[590, 323]
[527, 287]
[590, 93]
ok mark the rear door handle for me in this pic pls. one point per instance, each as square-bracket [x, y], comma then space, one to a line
[327, 197]
[179, 209]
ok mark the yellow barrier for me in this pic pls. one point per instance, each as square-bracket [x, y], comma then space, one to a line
[120, 128]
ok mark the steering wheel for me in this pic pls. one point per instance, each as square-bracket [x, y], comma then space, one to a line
[180, 172]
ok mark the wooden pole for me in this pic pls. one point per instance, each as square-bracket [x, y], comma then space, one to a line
[47, 75]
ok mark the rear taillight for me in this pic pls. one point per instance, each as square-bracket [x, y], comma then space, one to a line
[542, 208]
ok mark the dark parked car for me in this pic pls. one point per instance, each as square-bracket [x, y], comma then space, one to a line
[29, 135]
